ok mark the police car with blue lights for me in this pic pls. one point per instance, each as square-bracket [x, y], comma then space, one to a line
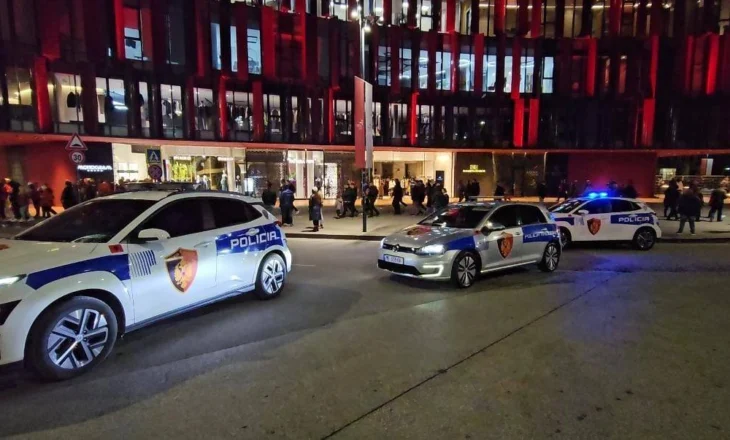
[598, 217]
[72, 284]
[465, 240]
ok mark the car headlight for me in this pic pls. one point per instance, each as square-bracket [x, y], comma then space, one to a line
[382, 242]
[432, 249]
[7, 281]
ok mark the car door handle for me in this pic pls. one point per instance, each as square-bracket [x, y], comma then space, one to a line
[252, 231]
[518, 233]
[203, 244]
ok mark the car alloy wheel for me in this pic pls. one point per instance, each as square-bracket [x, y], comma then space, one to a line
[550, 258]
[466, 270]
[272, 276]
[645, 240]
[564, 237]
[77, 339]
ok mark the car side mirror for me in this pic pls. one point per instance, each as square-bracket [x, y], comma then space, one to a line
[152, 234]
[583, 212]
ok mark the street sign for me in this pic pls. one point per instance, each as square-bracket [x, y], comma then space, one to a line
[155, 172]
[76, 144]
[154, 157]
[77, 157]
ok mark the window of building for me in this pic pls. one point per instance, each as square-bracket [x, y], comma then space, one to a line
[377, 121]
[463, 16]
[24, 23]
[241, 115]
[137, 29]
[400, 11]
[443, 70]
[425, 120]
[20, 99]
[572, 18]
[486, 17]
[462, 129]
[66, 102]
[510, 17]
[206, 113]
[215, 40]
[338, 9]
[171, 111]
[253, 39]
[724, 23]
[71, 30]
[508, 73]
[599, 21]
[113, 110]
[398, 121]
[423, 70]
[144, 109]
[273, 118]
[384, 59]
[424, 15]
[466, 70]
[175, 28]
[343, 118]
[548, 19]
[489, 73]
[547, 74]
[406, 67]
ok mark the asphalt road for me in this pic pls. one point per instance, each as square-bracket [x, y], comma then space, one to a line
[615, 344]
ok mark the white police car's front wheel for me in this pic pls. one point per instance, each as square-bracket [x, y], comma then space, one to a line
[465, 270]
[271, 277]
[550, 258]
[71, 337]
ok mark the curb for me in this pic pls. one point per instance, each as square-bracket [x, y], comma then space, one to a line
[318, 236]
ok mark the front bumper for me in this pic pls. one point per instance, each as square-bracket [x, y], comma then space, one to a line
[437, 267]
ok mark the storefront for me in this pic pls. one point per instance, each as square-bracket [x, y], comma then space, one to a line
[215, 168]
[410, 166]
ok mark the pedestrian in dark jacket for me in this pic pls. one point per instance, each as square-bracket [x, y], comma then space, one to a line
[369, 200]
[429, 196]
[268, 197]
[461, 191]
[35, 197]
[13, 196]
[629, 191]
[541, 191]
[315, 209]
[349, 197]
[397, 197]
[689, 208]
[440, 198]
[68, 196]
[499, 190]
[698, 193]
[671, 197]
[717, 202]
[286, 203]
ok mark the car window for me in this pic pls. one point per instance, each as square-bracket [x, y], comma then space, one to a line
[531, 215]
[179, 218]
[623, 206]
[598, 207]
[97, 221]
[506, 216]
[566, 207]
[458, 217]
[229, 212]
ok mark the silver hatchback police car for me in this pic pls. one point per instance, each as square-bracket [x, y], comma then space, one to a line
[465, 240]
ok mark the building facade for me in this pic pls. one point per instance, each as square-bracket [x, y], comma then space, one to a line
[242, 92]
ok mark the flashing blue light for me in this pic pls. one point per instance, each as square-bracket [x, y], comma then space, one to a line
[592, 195]
[603, 194]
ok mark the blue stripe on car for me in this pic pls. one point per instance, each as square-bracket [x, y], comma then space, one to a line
[461, 244]
[632, 219]
[536, 233]
[244, 241]
[117, 265]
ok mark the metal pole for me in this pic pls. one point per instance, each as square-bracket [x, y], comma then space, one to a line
[366, 175]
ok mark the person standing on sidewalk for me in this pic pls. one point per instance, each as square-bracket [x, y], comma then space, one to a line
[286, 203]
[541, 191]
[397, 197]
[68, 198]
[35, 197]
[23, 202]
[717, 201]
[315, 209]
[47, 201]
[372, 197]
[461, 190]
[13, 196]
[268, 197]
[671, 197]
[689, 209]
[440, 198]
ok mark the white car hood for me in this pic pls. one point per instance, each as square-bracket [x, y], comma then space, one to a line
[22, 257]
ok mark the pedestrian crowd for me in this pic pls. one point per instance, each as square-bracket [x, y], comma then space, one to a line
[684, 203]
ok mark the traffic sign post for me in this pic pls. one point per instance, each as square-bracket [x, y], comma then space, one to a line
[77, 157]
[76, 144]
[155, 172]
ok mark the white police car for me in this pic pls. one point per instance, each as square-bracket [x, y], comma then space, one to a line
[465, 240]
[598, 217]
[70, 285]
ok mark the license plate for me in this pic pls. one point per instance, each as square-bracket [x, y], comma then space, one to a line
[392, 259]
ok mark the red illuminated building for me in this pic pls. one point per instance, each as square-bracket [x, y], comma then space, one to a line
[499, 90]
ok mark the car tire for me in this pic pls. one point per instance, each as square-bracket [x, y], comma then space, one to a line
[271, 277]
[644, 239]
[71, 337]
[550, 257]
[465, 270]
[565, 237]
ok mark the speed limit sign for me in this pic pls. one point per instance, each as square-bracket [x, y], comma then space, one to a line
[77, 157]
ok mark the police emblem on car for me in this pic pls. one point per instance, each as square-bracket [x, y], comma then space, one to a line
[465, 240]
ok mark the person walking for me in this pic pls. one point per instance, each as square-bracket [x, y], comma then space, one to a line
[630, 191]
[429, 196]
[717, 202]
[499, 191]
[68, 198]
[35, 198]
[689, 208]
[23, 203]
[671, 197]
[315, 209]
[461, 191]
[476, 189]
[286, 203]
[698, 193]
[372, 197]
[397, 197]
[541, 191]
[47, 201]
[440, 198]
[13, 196]
[268, 197]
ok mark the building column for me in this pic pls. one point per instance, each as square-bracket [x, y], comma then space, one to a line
[258, 110]
[518, 127]
[454, 68]
[523, 17]
[501, 53]
[516, 67]
[533, 124]
[478, 63]
[450, 15]
[614, 16]
[300, 30]
[224, 20]
[656, 25]
[724, 68]
[536, 20]
[712, 66]
[432, 37]
[413, 119]
[89, 101]
[387, 12]
[222, 108]
[118, 6]
[591, 61]
[49, 32]
[329, 114]
[202, 37]
[43, 102]
[395, 35]
[241, 20]
[189, 96]
[500, 9]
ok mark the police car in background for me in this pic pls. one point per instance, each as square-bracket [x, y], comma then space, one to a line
[598, 217]
[71, 284]
[465, 240]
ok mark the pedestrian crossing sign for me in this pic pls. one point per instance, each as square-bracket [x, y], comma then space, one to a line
[154, 157]
[76, 144]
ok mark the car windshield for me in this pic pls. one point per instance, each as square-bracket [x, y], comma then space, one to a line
[566, 207]
[96, 221]
[468, 217]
